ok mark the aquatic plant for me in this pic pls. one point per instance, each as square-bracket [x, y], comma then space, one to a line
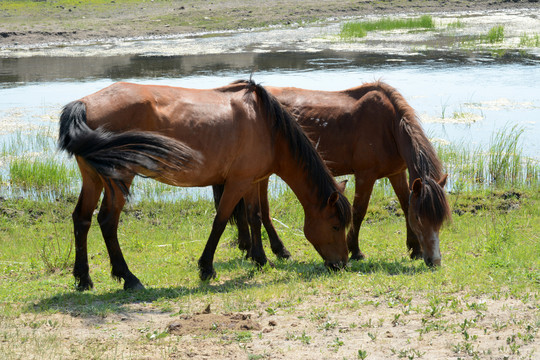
[352, 30]
[505, 159]
[501, 165]
[41, 174]
[495, 34]
[458, 24]
[527, 40]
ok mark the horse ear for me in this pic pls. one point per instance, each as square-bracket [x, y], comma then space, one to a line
[442, 182]
[341, 186]
[332, 199]
[417, 186]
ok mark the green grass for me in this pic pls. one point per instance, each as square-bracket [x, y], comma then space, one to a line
[495, 34]
[493, 234]
[458, 24]
[494, 38]
[527, 40]
[501, 165]
[42, 174]
[490, 251]
[353, 30]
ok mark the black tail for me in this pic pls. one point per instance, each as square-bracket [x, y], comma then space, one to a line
[120, 156]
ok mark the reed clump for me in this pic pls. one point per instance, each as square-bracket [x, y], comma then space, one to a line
[495, 34]
[501, 165]
[351, 30]
[41, 174]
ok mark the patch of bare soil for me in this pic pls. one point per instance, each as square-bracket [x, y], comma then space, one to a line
[206, 322]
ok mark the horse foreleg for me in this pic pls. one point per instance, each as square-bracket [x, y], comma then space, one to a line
[108, 217]
[401, 188]
[276, 244]
[363, 189]
[82, 219]
[232, 193]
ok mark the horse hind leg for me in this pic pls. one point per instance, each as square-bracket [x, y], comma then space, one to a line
[401, 188]
[256, 251]
[108, 218]
[238, 218]
[92, 187]
[277, 246]
[363, 189]
[244, 237]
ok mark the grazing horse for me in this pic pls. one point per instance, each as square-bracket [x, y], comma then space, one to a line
[372, 132]
[235, 135]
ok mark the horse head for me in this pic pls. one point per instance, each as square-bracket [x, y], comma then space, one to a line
[428, 209]
[326, 229]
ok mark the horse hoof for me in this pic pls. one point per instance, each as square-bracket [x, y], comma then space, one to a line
[206, 275]
[261, 263]
[85, 285]
[137, 286]
[244, 245]
[284, 254]
[358, 256]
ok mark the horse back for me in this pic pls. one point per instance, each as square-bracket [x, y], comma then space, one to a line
[353, 129]
[222, 124]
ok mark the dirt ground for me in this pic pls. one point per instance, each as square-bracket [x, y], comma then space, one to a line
[56, 23]
[475, 328]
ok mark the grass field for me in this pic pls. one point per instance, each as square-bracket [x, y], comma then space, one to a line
[482, 303]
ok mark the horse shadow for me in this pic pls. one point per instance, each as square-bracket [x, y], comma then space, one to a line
[90, 304]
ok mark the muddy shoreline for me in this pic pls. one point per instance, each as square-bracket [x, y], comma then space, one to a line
[62, 26]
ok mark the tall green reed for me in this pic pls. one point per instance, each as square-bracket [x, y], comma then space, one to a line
[501, 165]
[351, 30]
[39, 174]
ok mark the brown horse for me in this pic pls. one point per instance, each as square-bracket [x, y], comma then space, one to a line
[235, 135]
[372, 132]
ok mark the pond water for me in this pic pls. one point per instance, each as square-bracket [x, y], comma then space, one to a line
[461, 99]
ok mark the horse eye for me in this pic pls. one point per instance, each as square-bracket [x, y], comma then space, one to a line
[336, 228]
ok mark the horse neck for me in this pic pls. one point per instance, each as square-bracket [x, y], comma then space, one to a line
[305, 187]
[413, 145]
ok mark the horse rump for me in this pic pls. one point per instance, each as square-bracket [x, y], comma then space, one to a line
[118, 156]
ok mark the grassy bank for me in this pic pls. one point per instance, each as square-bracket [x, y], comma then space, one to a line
[490, 256]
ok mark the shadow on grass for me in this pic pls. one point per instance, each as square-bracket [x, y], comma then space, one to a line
[395, 267]
[89, 303]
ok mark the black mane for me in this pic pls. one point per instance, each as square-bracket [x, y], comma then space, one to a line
[303, 151]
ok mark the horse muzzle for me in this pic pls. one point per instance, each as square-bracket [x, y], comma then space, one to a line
[335, 266]
[432, 262]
